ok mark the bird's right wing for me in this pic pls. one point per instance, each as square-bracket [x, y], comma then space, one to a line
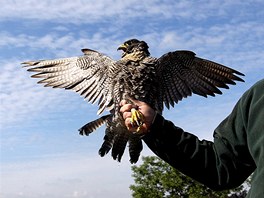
[88, 75]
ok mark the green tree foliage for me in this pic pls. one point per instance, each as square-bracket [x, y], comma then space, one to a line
[157, 179]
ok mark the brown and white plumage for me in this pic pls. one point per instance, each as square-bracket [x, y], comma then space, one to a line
[137, 75]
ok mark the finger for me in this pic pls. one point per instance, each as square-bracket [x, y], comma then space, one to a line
[123, 102]
[134, 129]
[129, 126]
[127, 115]
[126, 107]
[136, 102]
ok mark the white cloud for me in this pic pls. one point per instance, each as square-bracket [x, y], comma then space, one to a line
[69, 175]
[80, 11]
[73, 11]
[59, 45]
[73, 174]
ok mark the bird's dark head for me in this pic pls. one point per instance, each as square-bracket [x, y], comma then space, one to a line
[133, 45]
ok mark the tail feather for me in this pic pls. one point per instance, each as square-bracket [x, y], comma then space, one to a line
[135, 148]
[92, 126]
[108, 142]
[116, 138]
[119, 145]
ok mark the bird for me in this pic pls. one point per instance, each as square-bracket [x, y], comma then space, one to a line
[160, 82]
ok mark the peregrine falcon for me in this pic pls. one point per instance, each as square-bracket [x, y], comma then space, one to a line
[137, 75]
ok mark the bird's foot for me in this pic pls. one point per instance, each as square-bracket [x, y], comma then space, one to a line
[137, 119]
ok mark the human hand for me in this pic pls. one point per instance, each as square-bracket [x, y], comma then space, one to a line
[148, 113]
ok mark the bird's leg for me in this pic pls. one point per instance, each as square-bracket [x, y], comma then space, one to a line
[137, 119]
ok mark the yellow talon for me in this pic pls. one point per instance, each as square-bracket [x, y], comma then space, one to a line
[137, 119]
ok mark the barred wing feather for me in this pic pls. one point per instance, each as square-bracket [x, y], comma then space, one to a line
[87, 75]
[181, 73]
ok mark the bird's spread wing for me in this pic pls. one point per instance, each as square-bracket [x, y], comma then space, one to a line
[181, 73]
[87, 75]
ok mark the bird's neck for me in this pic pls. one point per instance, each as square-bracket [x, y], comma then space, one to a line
[135, 56]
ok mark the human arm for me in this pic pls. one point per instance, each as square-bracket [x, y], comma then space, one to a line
[222, 164]
[210, 163]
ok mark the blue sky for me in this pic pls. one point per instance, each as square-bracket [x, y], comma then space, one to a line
[42, 154]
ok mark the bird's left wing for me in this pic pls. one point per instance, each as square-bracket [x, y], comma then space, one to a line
[181, 73]
[87, 75]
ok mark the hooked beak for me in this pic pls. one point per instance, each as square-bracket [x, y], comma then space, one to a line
[122, 47]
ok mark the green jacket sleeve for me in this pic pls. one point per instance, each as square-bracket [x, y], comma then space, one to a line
[237, 149]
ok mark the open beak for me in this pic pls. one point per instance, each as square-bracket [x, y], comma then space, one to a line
[122, 47]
